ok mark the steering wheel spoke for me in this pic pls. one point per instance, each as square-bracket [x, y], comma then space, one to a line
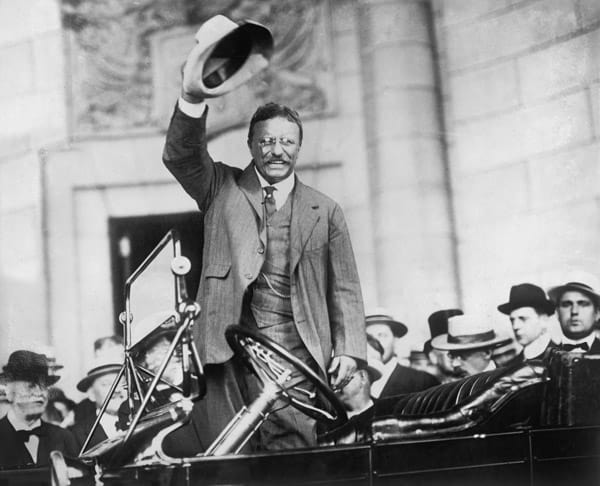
[271, 362]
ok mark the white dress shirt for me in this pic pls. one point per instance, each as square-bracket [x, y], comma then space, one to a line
[33, 443]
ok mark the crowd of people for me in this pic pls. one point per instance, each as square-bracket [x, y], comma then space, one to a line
[38, 417]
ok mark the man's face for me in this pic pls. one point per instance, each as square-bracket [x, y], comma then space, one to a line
[469, 363]
[576, 314]
[100, 388]
[274, 148]
[28, 399]
[384, 335]
[527, 324]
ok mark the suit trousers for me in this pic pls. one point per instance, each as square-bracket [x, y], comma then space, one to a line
[231, 385]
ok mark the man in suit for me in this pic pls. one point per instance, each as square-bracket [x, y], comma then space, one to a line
[25, 437]
[578, 309]
[470, 341]
[277, 258]
[396, 379]
[96, 384]
[529, 311]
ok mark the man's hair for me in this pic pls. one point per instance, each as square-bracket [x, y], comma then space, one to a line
[375, 344]
[274, 110]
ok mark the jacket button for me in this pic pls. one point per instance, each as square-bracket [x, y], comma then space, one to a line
[260, 250]
[248, 276]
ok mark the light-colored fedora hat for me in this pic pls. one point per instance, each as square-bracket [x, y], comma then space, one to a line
[468, 332]
[580, 281]
[227, 54]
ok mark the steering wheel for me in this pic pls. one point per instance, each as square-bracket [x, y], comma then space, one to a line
[259, 353]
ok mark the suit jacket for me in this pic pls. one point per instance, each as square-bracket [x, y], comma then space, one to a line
[14, 453]
[407, 380]
[325, 290]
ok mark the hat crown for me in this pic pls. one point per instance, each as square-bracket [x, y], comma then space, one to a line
[472, 327]
[27, 366]
[526, 292]
[438, 321]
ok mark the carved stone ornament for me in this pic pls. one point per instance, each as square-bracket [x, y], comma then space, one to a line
[126, 56]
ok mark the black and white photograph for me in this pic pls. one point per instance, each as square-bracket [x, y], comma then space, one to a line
[299, 242]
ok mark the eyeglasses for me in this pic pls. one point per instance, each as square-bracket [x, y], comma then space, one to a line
[266, 142]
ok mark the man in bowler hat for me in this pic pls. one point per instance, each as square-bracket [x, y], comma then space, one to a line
[396, 379]
[25, 439]
[578, 308]
[529, 311]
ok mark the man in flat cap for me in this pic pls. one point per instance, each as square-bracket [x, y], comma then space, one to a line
[578, 308]
[469, 341]
[396, 379]
[529, 311]
[24, 437]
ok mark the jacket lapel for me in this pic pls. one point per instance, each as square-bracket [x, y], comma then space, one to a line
[304, 218]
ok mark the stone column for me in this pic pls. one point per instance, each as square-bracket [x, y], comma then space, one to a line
[409, 183]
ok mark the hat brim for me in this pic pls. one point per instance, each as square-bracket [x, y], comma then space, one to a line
[398, 329]
[555, 292]
[48, 380]
[441, 342]
[547, 306]
[86, 382]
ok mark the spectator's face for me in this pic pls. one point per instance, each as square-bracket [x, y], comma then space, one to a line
[274, 148]
[469, 363]
[576, 314]
[28, 399]
[384, 335]
[527, 325]
[100, 388]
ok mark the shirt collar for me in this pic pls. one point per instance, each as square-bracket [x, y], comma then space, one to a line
[354, 413]
[386, 371]
[284, 187]
[536, 347]
[21, 424]
[491, 366]
[589, 340]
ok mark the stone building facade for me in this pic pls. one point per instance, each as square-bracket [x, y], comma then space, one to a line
[461, 138]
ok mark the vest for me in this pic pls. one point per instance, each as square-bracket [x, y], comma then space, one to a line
[271, 303]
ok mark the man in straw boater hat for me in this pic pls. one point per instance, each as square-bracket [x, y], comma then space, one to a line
[396, 379]
[277, 256]
[24, 437]
[469, 341]
[578, 308]
[96, 384]
[529, 310]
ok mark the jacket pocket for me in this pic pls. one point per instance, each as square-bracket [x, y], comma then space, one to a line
[217, 270]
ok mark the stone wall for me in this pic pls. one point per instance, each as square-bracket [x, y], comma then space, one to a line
[32, 116]
[521, 85]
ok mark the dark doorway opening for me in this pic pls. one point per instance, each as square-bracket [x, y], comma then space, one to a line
[133, 238]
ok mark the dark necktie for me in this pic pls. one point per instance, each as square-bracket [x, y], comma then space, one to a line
[571, 347]
[24, 435]
[269, 202]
